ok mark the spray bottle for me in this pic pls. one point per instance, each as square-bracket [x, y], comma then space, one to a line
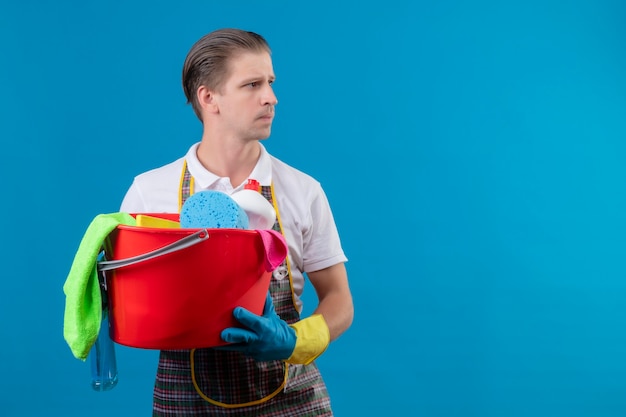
[261, 213]
[103, 361]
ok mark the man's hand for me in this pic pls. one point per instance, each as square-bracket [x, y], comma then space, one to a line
[265, 337]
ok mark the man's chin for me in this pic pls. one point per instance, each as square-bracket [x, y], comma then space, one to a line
[265, 134]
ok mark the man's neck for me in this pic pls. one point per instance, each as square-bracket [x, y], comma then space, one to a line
[232, 159]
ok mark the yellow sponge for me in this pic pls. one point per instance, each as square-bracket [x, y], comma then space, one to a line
[144, 220]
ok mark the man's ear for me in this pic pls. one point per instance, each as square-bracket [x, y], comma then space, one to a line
[206, 99]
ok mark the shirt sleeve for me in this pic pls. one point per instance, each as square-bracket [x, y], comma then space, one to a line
[133, 202]
[322, 245]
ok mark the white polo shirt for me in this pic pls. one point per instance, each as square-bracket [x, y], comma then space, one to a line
[305, 214]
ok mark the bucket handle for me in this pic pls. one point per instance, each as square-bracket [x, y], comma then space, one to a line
[180, 244]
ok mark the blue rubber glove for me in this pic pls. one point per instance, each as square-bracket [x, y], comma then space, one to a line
[266, 337]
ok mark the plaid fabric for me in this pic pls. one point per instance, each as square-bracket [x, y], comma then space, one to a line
[185, 186]
[304, 395]
[281, 291]
[232, 378]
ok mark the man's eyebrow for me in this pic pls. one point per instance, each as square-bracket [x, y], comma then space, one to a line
[252, 79]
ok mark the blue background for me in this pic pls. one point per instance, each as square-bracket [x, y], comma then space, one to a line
[473, 153]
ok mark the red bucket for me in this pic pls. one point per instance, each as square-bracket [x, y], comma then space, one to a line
[177, 288]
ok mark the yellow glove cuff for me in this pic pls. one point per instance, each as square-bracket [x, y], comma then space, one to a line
[312, 339]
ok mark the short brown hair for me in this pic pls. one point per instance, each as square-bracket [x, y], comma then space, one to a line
[206, 63]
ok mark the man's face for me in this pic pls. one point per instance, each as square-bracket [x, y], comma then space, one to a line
[246, 100]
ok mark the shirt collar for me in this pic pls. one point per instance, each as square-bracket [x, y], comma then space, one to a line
[206, 180]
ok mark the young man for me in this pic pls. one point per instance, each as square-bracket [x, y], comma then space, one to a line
[269, 369]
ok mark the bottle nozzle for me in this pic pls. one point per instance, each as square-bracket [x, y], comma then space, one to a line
[252, 184]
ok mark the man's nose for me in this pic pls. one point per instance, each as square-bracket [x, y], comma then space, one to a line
[269, 97]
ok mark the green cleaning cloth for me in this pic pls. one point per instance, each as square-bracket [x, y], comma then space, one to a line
[83, 301]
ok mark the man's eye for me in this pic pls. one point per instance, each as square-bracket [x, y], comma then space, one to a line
[253, 84]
